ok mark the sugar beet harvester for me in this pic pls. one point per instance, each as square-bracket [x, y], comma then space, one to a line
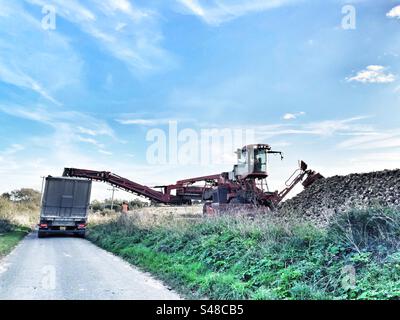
[243, 187]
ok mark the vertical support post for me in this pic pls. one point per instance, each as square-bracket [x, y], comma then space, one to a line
[41, 192]
[112, 198]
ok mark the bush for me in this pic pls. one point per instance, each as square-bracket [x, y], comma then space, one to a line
[368, 229]
[5, 226]
[20, 208]
[97, 205]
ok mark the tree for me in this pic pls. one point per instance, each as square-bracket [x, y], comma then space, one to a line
[137, 204]
[26, 195]
[97, 205]
[6, 195]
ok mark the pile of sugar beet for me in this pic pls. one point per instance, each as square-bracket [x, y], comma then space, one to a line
[330, 196]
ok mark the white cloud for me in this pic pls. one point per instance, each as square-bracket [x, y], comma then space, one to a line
[323, 128]
[100, 146]
[377, 157]
[394, 12]
[289, 116]
[123, 6]
[330, 127]
[218, 11]
[107, 153]
[373, 74]
[61, 119]
[130, 34]
[87, 131]
[292, 116]
[20, 79]
[143, 122]
[378, 140]
[51, 63]
[90, 141]
[120, 26]
[65, 143]
[14, 148]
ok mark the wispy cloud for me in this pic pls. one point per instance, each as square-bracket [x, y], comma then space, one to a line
[129, 33]
[67, 132]
[90, 141]
[323, 128]
[14, 148]
[55, 118]
[49, 65]
[101, 148]
[89, 132]
[373, 74]
[394, 12]
[329, 127]
[107, 153]
[144, 120]
[379, 140]
[216, 12]
[17, 77]
[292, 116]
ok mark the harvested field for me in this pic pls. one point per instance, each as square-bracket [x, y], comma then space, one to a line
[177, 211]
[152, 216]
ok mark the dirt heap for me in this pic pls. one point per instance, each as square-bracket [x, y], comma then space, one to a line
[329, 196]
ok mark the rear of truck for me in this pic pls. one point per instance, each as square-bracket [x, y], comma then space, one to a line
[65, 206]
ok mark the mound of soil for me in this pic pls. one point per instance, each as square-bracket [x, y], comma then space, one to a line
[326, 197]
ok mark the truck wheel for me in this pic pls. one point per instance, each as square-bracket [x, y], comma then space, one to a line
[81, 235]
[41, 234]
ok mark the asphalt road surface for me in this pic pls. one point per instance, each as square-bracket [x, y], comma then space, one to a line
[72, 268]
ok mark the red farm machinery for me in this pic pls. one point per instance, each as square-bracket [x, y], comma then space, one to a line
[244, 187]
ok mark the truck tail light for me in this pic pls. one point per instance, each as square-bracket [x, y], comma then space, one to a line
[81, 226]
[43, 225]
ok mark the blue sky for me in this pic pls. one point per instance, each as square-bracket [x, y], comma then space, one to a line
[87, 93]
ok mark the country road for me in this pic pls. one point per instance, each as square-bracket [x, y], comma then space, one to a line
[71, 268]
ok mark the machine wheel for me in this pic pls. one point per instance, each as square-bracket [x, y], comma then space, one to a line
[271, 205]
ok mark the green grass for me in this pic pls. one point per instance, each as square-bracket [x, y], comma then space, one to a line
[17, 218]
[10, 239]
[356, 257]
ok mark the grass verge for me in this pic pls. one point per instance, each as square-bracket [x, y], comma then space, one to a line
[10, 239]
[356, 257]
[18, 213]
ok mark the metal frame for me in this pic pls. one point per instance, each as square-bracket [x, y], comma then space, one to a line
[240, 189]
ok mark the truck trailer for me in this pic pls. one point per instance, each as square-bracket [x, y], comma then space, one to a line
[65, 206]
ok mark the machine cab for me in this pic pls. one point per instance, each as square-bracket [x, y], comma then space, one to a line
[252, 161]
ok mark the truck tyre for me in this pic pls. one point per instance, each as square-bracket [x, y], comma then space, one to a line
[41, 234]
